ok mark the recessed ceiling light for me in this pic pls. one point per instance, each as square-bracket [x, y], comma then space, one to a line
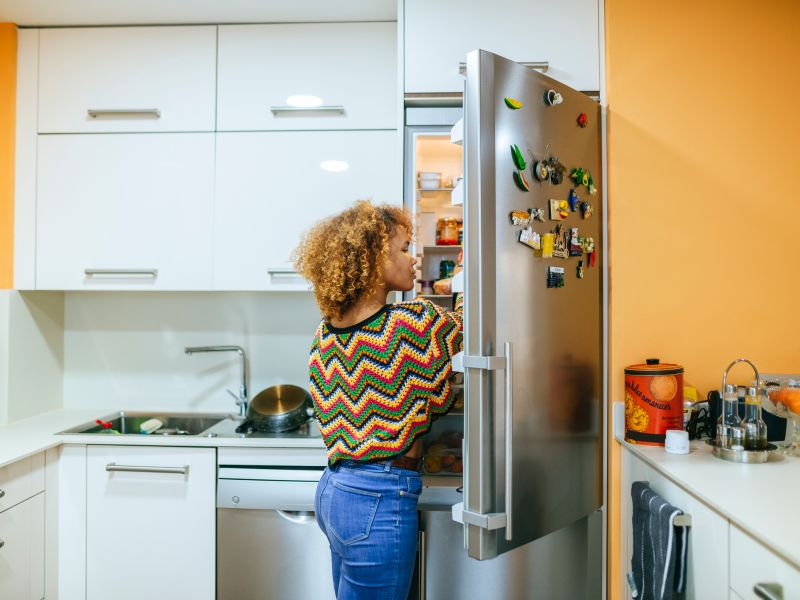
[303, 101]
[335, 166]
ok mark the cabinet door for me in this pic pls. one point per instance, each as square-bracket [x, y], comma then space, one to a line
[752, 564]
[707, 562]
[150, 530]
[351, 67]
[125, 211]
[271, 188]
[22, 550]
[127, 79]
[439, 34]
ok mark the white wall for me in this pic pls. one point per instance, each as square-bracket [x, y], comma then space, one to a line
[31, 353]
[125, 350]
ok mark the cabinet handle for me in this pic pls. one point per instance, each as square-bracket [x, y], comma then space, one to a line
[283, 272]
[768, 591]
[124, 112]
[2, 493]
[541, 66]
[2, 543]
[121, 273]
[137, 469]
[305, 109]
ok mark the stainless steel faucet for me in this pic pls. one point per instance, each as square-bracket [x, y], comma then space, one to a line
[241, 399]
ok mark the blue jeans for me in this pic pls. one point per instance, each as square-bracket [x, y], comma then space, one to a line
[368, 511]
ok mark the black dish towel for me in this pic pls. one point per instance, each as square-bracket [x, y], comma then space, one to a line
[659, 547]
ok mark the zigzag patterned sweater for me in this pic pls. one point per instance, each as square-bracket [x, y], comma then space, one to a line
[378, 385]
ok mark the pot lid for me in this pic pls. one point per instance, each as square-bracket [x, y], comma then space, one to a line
[279, 400]
[653, 366]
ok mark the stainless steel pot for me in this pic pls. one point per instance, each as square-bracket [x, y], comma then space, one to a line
[280, 408]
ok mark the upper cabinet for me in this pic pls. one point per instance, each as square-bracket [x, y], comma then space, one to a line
[438, 35]
[348, 69]
[121, 79]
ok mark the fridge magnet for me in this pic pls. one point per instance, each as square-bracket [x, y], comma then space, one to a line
[555, 277]
[556, 170]
[573, 200]
[583, 120]
[537, 213]
[512, 103]
[575, 243]
[519, 160]
[548, 241]
[530, 238]
[579, 270]
[583, 177]
[552, 97]
[586, 210]
[541, 171]
[522, 183]
[559, 210]
[560, 243]
[588, 245]
[591, 258]
[521, 217]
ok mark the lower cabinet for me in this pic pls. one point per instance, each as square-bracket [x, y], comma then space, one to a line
[22, 550]
[757, 572]
[150, 522]
[22, 529]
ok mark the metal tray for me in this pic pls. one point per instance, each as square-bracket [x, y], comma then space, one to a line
[742, 456]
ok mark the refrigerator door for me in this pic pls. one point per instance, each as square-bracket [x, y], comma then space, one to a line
[533, 354]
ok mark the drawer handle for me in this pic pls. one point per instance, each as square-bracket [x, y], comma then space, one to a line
[137, 469]
[2, 543]
[121, 273]
[306, 109]
[283, 272]
[2, 493]
[541, 66]
[768, 591]
[124, 112]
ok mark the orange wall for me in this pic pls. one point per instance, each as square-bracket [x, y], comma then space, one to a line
[8, 90]
[703, 192]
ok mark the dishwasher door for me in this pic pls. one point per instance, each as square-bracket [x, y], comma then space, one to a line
[271, 555]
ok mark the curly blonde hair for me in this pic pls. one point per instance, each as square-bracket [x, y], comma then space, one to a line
[343, 256]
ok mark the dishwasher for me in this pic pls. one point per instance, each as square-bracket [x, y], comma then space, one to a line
[269, 546]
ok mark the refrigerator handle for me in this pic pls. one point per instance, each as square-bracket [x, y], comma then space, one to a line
[509, 442]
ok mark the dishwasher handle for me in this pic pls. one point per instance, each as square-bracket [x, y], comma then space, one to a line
[299, 517]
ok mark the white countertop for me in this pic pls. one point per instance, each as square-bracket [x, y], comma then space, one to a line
[29, 436]
[761, 499]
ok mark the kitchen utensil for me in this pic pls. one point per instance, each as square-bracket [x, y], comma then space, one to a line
[277, 409]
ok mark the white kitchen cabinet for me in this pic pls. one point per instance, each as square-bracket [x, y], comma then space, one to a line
[125, 211]
[270, 188]
[707, 560]
[21, 480]
[438, 35]
[22, 550]
[351, 67]
[752, 564]
[127, 79]
[150, 533]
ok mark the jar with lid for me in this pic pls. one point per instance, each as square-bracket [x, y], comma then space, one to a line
[447, 232]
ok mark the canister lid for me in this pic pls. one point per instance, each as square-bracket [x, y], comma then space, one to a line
[653, 366]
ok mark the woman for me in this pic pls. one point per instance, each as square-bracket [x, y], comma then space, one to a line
[379, 375]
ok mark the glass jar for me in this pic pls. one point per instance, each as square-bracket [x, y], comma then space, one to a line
[447, 232]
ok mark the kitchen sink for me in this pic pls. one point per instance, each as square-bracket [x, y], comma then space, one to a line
[126, 422]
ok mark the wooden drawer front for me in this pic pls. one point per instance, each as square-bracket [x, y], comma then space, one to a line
[21, 480]
[166, 69]
[753, 563]
[135, 211]
[22, 550]
[352, 65]
[270, 189]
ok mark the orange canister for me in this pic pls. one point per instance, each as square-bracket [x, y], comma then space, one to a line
[653, 401]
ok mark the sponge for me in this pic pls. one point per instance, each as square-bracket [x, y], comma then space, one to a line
[150, 426]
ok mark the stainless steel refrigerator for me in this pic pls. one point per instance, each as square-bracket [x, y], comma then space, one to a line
[533, 423]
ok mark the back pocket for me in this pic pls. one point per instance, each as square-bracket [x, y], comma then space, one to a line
[352, 513]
